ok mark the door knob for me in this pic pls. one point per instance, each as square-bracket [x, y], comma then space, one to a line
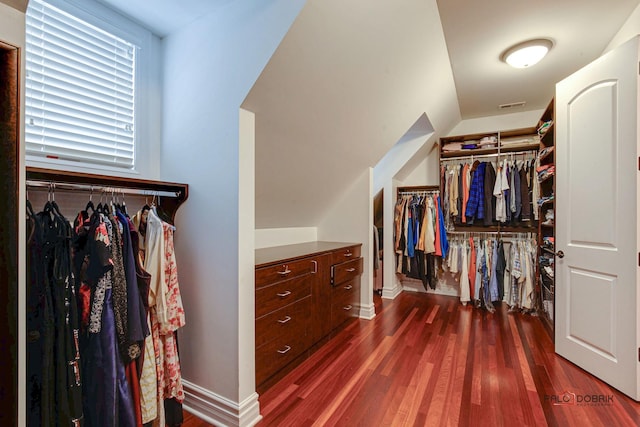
[560, 254]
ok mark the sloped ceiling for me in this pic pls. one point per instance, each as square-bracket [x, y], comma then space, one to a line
[21, 5]
[348, 80]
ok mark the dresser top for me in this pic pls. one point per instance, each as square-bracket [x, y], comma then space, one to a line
[266, 256]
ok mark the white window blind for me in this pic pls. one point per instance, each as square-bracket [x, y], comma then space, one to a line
[79, 90]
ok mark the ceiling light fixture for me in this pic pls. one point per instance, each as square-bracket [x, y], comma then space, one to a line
[527, 53]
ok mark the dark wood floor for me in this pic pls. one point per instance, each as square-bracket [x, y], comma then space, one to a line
[427, 360]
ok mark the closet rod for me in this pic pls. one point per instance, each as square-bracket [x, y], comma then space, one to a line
[100, 189]
[501, 154]
[409, 193]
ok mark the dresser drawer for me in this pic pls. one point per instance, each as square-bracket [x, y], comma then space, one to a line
[268, 275]
[274, 297]
[272, 357]
[349, 291]
[346, 254]
[342, 309]
[346, 271]
[285, 322]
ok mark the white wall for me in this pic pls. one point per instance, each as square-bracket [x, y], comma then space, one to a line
[351, 220]
[209, 67]
[402, 152]
[268, 237]
[12, 31]
[498, 123]
[628, 30]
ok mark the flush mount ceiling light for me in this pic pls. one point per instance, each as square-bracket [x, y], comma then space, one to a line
[527, 53]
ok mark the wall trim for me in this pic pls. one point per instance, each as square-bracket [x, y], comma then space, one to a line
[367, 311]
[219, 410]
[391, 293]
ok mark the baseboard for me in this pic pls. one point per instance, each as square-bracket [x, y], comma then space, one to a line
[367, 312]
[219, 410]
[391, 293]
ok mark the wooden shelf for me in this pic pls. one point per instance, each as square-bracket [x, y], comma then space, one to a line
[169, 204]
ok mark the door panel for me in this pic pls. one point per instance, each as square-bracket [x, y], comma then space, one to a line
[594, 330]
[592, 167]
[596, 218]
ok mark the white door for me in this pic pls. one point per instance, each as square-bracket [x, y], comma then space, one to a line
[596, 218]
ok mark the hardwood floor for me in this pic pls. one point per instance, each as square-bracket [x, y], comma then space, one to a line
[427, 360]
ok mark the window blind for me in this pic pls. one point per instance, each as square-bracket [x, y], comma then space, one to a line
[79, 90]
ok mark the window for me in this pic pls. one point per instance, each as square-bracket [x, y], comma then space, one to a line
[80, 90]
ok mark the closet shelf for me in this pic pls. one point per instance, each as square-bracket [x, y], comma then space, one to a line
[546, 178]
[85, 181]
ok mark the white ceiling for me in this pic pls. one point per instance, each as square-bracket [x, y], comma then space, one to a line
[163, 17]
[477, 32]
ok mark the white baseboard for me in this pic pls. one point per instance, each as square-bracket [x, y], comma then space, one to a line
[391, 293]
[367, 312]
[219, 410]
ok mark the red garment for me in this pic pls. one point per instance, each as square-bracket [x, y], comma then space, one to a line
[131, 372]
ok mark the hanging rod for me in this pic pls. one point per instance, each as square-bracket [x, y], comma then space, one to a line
[173, 194]
[497, 232]
[476, 156]
[418, 192]
[86, 180]
[100, 189]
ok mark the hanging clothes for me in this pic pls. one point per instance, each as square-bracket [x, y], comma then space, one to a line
[418, 236]
[92, 310]
[491, 270]
[54, 377]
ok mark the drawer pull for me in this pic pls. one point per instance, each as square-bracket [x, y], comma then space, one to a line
[284, 294]
[348, 288]
[285, 320]
[350, 270]
[315, 266]
[347, 308]
[285, 271]
[348, 254]
[285, 350]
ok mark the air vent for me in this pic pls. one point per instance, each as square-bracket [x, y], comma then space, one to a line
[511, 105]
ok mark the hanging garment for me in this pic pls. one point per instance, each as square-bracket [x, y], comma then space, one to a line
[489, 199]
[472, 268]
[465, 295]
[444, 244]
[475, 205]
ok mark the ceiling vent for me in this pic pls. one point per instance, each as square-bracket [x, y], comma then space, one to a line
[511, 105]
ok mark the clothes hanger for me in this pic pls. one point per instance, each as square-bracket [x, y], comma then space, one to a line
[90, 204]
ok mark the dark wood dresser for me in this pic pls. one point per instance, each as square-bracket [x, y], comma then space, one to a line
[303, 293]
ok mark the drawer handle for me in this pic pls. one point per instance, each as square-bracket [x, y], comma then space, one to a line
[284, 294]
[285, 271]
[348, 288]
[347, 308]
[348, 254]
[315, 266]
[350, 270]
[285, 350]
[285, 320]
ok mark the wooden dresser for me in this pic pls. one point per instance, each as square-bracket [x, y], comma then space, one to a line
[303, 293]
